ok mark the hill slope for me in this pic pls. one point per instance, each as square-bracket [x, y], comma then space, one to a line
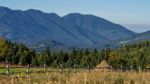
[78, 30]
[136, 38]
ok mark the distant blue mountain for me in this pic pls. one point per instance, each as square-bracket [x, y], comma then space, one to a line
[136, 38]
[36, 28]
[138, 27]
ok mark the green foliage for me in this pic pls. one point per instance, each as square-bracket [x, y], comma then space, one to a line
[125, 57]
[15, 53]
[45, 57]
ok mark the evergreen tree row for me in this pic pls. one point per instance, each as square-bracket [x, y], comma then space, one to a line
[134, 55]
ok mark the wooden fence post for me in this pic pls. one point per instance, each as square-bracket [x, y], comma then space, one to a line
[61, 68]
[121, 69]
[88, 68]
[7, 69]
[131, 68]
[139, 68]
[28, 69]
[75, 66]
[44, 67]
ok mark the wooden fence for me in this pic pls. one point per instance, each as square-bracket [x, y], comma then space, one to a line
[8, 70]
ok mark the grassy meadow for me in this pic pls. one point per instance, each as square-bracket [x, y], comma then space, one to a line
[82, 76]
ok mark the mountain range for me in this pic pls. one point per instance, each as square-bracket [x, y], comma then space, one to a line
[38, 29]
[137, 27]
[136, 38]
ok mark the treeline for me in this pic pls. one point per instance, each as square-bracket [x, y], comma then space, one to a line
[127, 56]
[131, 56]
[15, 53]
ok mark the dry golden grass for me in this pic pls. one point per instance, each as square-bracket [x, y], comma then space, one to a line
[80, 77]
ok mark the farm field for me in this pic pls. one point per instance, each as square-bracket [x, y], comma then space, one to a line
[81, 76]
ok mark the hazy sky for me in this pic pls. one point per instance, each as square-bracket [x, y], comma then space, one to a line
[118, 11]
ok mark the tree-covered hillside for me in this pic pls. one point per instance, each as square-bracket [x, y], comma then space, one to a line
[15, 53]
[134, 55]
[127, 56]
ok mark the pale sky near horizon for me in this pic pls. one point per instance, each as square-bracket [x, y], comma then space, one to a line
[117, 11]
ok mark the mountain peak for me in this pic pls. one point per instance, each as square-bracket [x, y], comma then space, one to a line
[54, 14]
[33, 11]
[87, 17]
[73, 14]
[4, 9]
[80, 15]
